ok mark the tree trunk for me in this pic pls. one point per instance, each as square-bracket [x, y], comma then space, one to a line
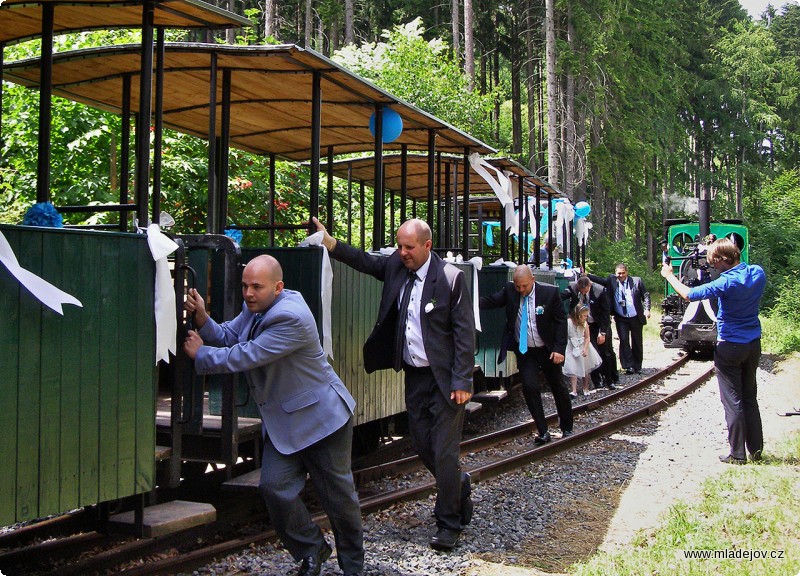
[271, 19]
[469, 44]
[495, 84]
[568, 119]
[552, 87]
[349, 16]
[456, 29]
[309, 27]
[516, 100]
[530, 84]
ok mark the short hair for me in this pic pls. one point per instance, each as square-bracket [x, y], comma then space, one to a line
[621, 265]
[723, 249]
[420, 229]
[583, 282]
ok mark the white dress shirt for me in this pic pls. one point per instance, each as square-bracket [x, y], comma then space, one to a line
[414, 351]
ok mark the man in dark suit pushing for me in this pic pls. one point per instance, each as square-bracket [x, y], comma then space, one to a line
[425, 327]
[536, 329]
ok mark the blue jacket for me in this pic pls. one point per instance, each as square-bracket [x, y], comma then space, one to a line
[738, 292]
[299, 396]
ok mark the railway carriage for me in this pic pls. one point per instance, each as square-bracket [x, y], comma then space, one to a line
[110, 424]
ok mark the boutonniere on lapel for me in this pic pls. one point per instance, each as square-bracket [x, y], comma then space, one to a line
[539, 310]
[430, 305]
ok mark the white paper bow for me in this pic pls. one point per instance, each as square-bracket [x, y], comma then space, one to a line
[41, 289]
[327, 290]
[477, 264]
[501, 186]
[162, 246]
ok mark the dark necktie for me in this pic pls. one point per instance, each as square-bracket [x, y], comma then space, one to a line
[523, 326]
[402, 319]
[256, 322]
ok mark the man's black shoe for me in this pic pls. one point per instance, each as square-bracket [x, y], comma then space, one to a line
[543, 439]
[566, 433]
[610, 387]
[729, 459]
[444, 539]
[756, 456]
[630, 371]
[312, 565]
[466, 500]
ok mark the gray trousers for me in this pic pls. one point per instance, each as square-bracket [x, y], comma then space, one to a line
[283, 478]
[736, 366]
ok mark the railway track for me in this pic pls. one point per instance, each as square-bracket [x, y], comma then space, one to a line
[484, 456]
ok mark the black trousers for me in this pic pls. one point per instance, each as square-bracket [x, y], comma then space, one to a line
[631, 343]
[435, 425]
[607, 373]
[597, 374]
[736, 366]
[529, 364]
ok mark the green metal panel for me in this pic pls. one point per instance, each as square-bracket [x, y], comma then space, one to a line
[10, 302]
[490, 280]
[683, 239]
[78, 390]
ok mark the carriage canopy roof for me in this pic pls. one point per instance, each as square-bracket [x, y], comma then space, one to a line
[271, 90]
[21, 20]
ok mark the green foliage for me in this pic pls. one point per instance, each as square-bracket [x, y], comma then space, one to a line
[422, 73]
[604, 254]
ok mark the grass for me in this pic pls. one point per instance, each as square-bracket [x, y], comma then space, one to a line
[744, 510]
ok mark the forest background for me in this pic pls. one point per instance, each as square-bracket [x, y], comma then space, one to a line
[640, 107]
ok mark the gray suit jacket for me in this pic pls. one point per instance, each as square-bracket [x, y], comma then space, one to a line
[448, 330]
[299, 396]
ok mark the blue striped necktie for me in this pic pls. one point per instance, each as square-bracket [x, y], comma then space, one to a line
[523, 326]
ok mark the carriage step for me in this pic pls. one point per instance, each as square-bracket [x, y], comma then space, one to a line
[168, 518]
[163, 453]
[473, 407]
[244, 483]
[490, 396]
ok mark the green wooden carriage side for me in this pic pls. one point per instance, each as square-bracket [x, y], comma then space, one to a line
[78, 390]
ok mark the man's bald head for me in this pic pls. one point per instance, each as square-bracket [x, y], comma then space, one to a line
[523, 280]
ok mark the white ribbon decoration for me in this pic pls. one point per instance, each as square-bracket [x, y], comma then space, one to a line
[41, 289]
[501, 186]
[162, 246]
[327, 290]
[566, 213]
[477, 264]
[691, 310]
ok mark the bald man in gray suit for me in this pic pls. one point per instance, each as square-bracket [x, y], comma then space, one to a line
[306, 411]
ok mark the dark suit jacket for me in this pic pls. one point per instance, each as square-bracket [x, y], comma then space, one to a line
[448, 330]
[641, 297]
[551, 323]
[598, 303]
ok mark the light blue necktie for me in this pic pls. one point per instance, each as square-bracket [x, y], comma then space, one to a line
[523, 326]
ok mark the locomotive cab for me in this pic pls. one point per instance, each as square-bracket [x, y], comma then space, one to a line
[693, 325]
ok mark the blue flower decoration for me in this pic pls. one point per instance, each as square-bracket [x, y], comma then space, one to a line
[43, 214]
[539, 310]
[234, 234]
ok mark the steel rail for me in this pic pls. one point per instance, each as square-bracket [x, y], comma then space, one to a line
[200, 557]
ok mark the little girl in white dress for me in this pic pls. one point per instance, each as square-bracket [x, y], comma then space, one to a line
[580, 357]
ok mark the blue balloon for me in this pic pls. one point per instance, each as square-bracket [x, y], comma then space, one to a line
[582, 209]
[392, 125]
